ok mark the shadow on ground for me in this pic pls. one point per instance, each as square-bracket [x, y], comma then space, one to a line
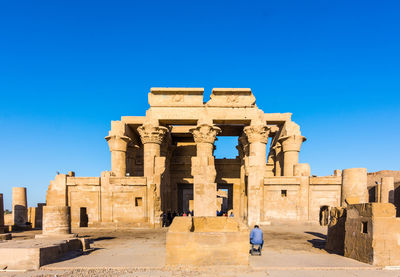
[317, 243]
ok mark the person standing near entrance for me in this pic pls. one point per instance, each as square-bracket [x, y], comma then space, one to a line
[256, 236]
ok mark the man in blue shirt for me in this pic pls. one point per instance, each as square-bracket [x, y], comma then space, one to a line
[256, 236]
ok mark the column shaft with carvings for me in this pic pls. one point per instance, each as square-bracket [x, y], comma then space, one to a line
[257, 136]
[154, 165]
[291, 147]
[203, 170]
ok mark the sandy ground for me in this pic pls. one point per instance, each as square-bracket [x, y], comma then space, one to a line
[289, 250]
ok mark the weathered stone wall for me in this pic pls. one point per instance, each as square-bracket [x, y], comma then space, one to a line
[372, 232]
[122, 200]
[336, 230]
[299, 197]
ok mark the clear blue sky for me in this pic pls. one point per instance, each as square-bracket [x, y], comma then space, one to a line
[67, 68]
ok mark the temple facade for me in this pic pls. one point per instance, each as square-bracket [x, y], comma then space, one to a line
[164, 161]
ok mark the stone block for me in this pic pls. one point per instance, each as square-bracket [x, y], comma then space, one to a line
[231, 97]
[31, 254]
[201, 241]
[176, 97]
[372, 234]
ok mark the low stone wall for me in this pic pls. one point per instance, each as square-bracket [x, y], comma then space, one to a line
[207, 241]
[31, 254]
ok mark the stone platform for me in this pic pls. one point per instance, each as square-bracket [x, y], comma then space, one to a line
[194, 240]
[33, 253]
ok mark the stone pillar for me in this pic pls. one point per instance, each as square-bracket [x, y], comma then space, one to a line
[387, 190]
[278, 159]
[56, 221]
[1, 213]
[354, 186]
[203, 170]
[152, 136]
[303, 171]
[291, 147]
[243, 149]
[19, 206]
[257, 136]
[118, 146]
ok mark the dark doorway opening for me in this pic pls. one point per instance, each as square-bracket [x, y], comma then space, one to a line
[185, 194]
[83, 218]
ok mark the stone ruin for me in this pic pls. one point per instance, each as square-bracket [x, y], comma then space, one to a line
[55, 241]
[164, 161]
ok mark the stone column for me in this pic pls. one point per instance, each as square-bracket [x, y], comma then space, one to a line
[387, 190]
[354, 186]
[203, 170]
[19, 206]
[152, 136]
[243, 149]
[303, 172]
[56, 221]
[291, 147]
[118, 146]
[278, 159]
[257, 135]
[1, 213]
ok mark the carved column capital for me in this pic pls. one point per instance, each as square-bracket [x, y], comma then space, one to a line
[152, 134]
[118, 143]
[205, 133]
[257, 133]
[292, 143]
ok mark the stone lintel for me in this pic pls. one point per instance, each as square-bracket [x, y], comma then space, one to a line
[175, 97]
[133, 120]
[231, 97]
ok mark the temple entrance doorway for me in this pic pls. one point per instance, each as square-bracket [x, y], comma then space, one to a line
[225, 192]
[185, 194]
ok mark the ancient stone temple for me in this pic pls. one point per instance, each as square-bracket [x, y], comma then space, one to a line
[164, 161]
